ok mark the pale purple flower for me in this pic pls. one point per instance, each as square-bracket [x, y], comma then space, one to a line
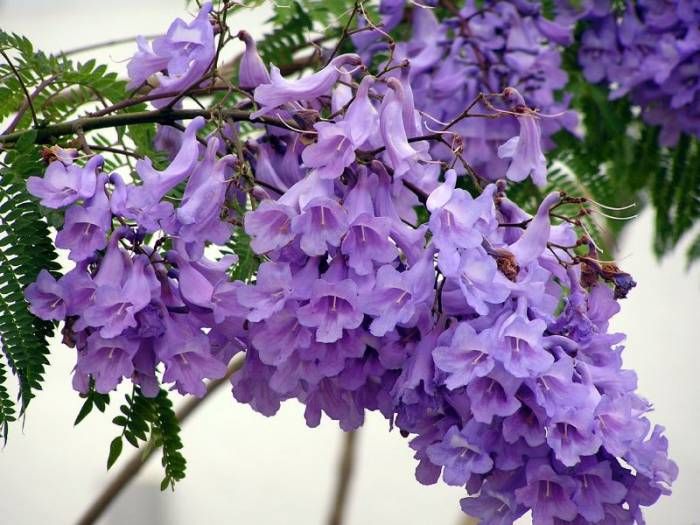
[281, 91]
[466, 357]
[461, 453]
[322, 222]
[332, 152]
[85, 227]
[251, 71]
[46, 297]
[107, 360]
[176, 60]
[187, 356]
[493, 395]
[64, 184]
[548, 494]
[269, 294]
[332, 309]
[525, 149]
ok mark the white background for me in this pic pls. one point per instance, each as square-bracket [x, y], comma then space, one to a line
[246, 469]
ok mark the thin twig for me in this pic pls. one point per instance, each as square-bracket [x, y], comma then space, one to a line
[23, 85]
[344, 34]
[345, 472]
[139, 459]
[107, 43]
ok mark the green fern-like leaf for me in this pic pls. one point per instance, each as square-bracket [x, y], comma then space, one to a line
[166, 433]
[152, 420]
[25, 249]
[289, 35]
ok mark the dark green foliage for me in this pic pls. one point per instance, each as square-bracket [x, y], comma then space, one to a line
[325, 12]
[92, 399]
[7, 407]
[166, 434]
[620, 161]
[65, 86]
[25, 249]
[290, 34]
[145, 419]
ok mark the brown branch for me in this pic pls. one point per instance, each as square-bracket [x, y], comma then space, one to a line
[139, 459]
[345, 472]
[48, 133]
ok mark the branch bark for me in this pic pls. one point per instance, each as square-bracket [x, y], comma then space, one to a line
[47, 133]
[141, 456]
[345, 472]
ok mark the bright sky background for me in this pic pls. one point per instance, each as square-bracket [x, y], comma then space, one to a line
[247, 469]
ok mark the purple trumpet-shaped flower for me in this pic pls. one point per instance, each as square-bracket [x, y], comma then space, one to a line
[322, 222]
[650, 458]
[399, 296]
[64, 184]
[462, 452]
[280, 336]
[251, 71]
[144, 203]
[115, 307]
[107, 360]
[362, 117]
[185, 350]
[199, 214]
[367, 240]
[194, 286]
[494, 395]
[46, 297]
[269, 294]
[453, 214]
[525, 150]
[527, 422]
[270, 226]
[570, 434]
[534, 241]
[281, 91]
[480, 280]
[333, 307]
[467, 356]
[596, 487]
[616, 424]
[332, 152]
[491, 508]
[85, 226]
[177, 60]
[547, 493]
[556, 389]
[519, 345]
[400, 154]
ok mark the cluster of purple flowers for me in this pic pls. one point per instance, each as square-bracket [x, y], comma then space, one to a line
[480, 49]
[481, 331]
[129, 304]
[650, 53]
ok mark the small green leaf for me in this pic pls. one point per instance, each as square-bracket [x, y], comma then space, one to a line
[84, 410]
[115, 450]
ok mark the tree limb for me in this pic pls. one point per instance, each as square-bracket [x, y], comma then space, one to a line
[139, 459]
[345, 472]
[48, 133]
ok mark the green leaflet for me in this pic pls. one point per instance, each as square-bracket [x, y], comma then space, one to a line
[151, 420]
[25, 249]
